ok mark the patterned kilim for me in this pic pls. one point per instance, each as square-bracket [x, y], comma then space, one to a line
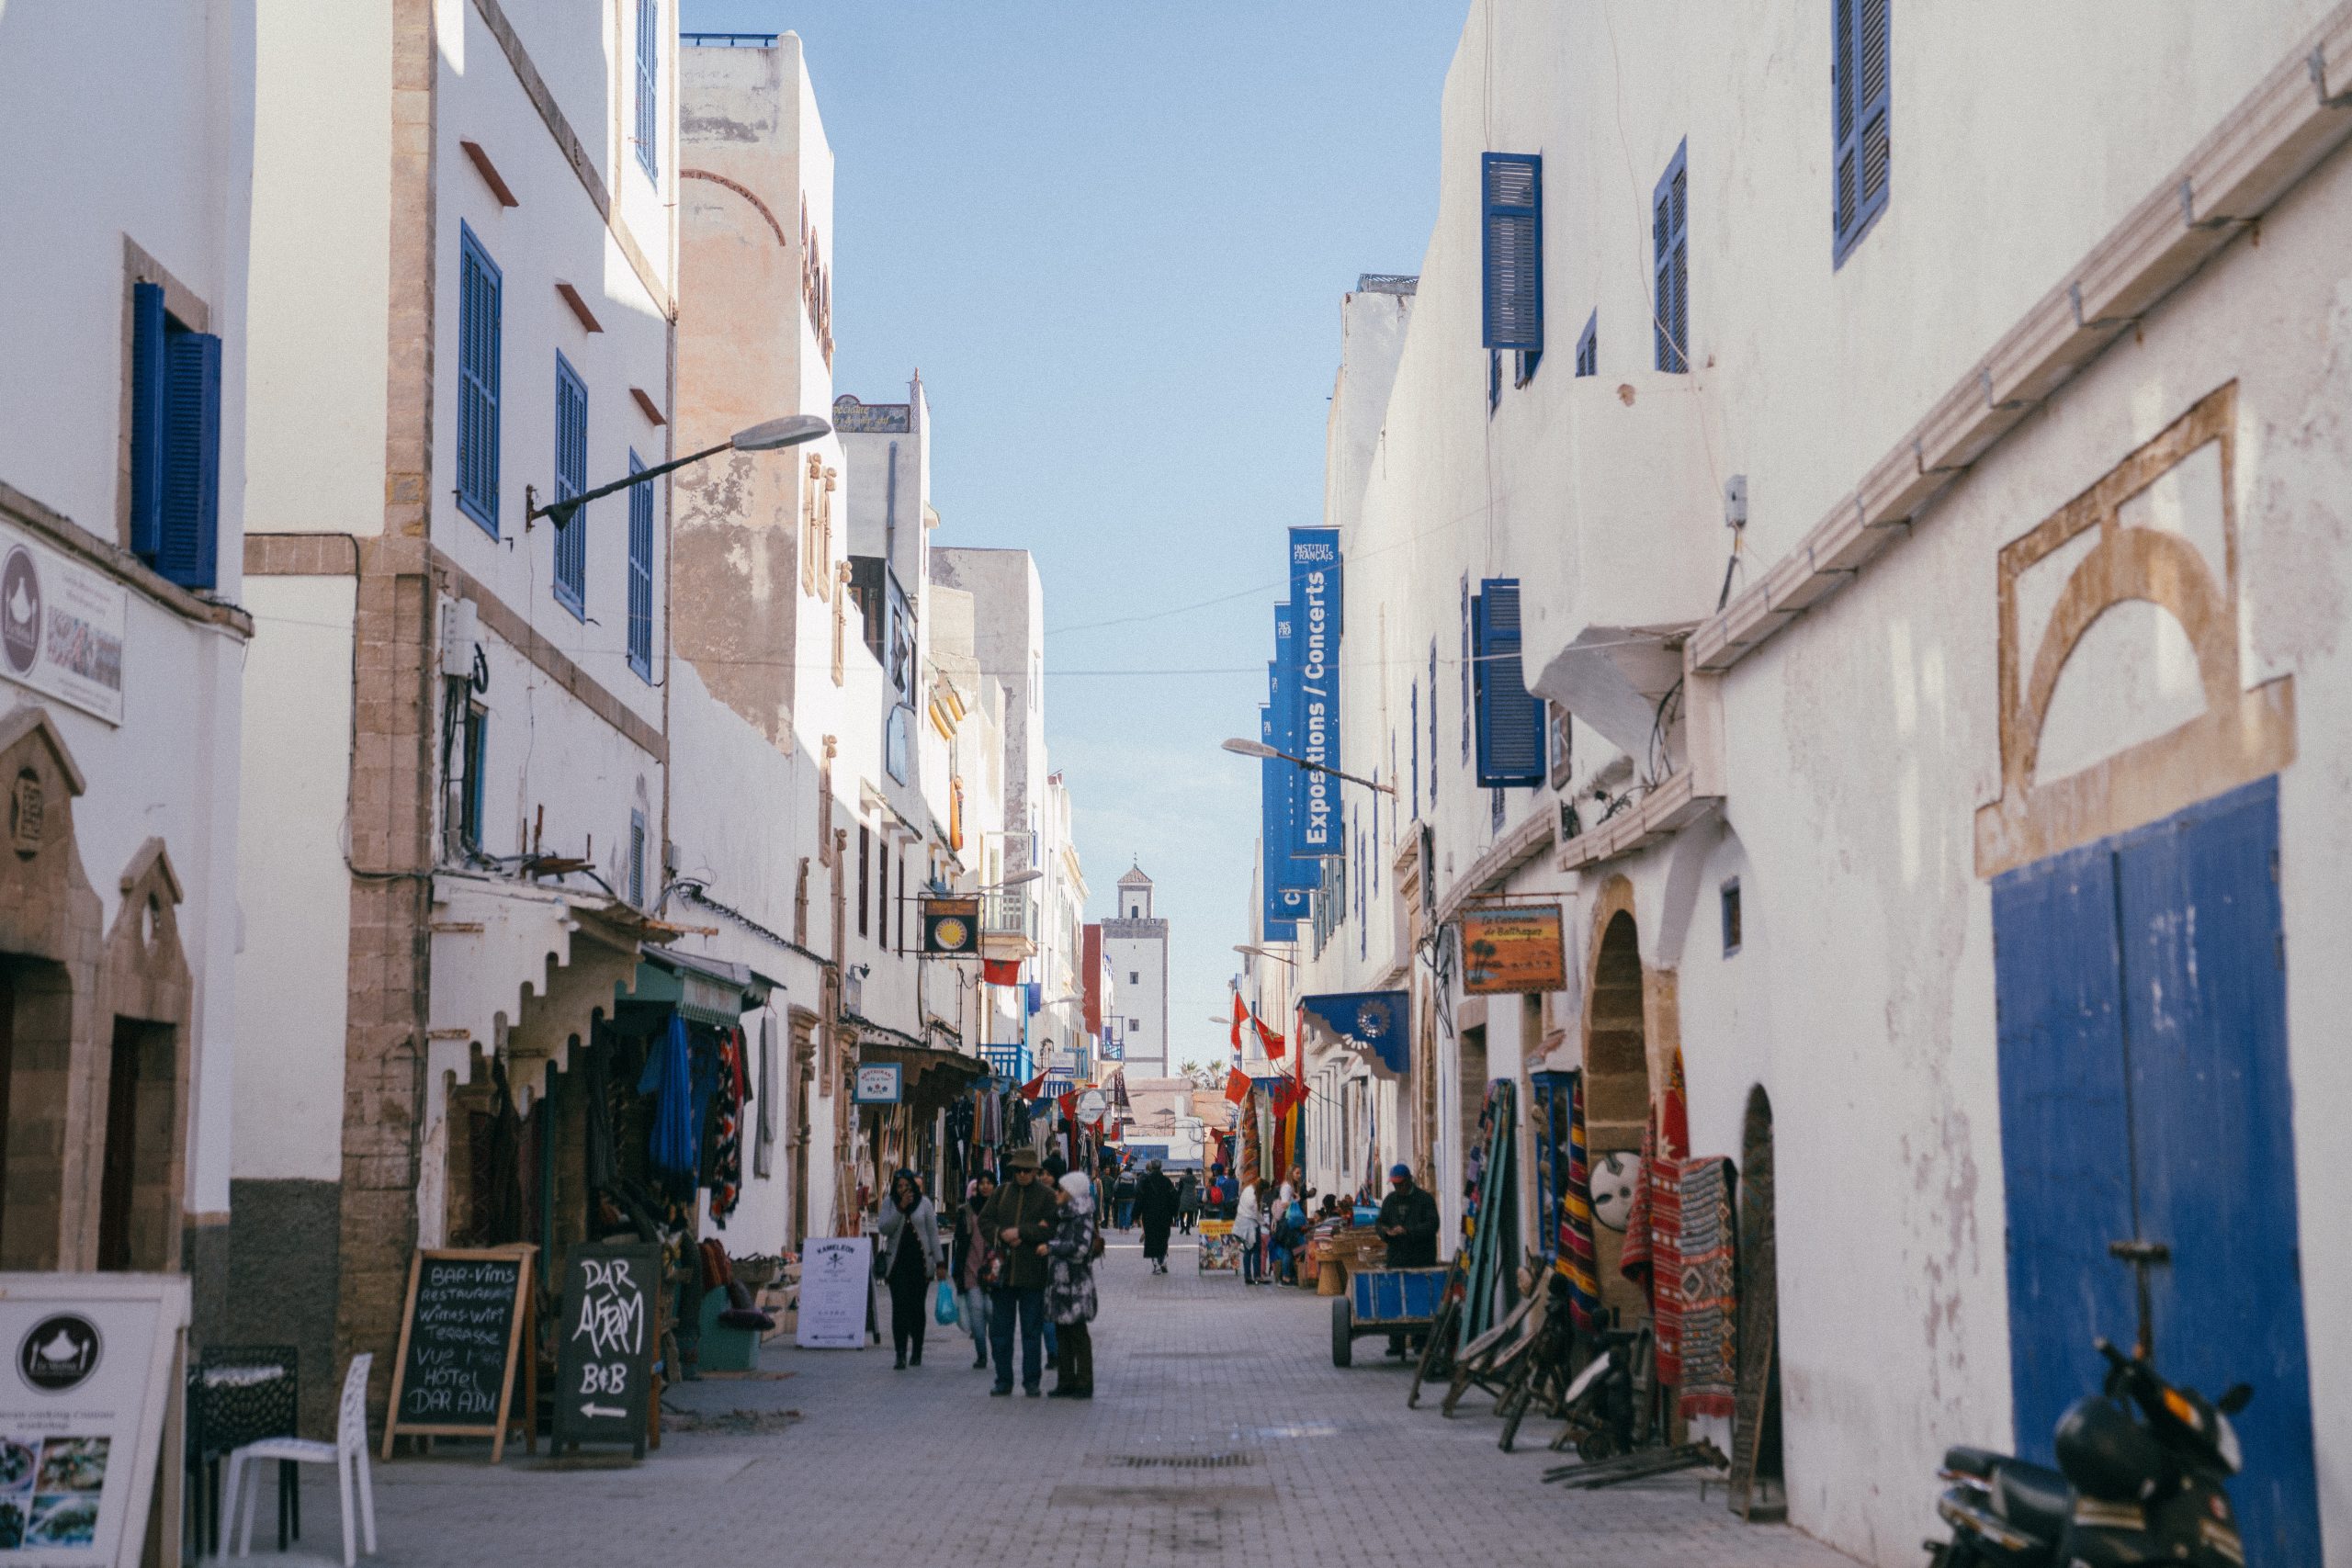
[1710, 1289]
[1577, 1255]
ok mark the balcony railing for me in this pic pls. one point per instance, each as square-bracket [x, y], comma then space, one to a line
[1009, 917]
[728, 41]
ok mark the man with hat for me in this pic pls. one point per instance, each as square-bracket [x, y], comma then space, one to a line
[1408, 1222]
[1018, 1221]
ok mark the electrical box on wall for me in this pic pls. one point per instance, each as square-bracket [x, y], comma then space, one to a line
[461, 630]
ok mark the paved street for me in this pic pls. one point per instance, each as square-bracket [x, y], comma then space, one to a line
[1220, 1433]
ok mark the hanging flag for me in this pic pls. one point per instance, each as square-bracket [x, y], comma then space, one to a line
[1036, 997]
[1275, 1043]
[1237, 1085]
[1001, 971]
[1034, 1088]
[1240, 1016]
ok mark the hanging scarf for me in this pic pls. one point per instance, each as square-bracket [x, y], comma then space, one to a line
[1576, 1253]
[669, 1075]
[726, 1172]
[1653, 1255]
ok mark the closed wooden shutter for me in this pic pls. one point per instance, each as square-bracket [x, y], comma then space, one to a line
[1512, 223]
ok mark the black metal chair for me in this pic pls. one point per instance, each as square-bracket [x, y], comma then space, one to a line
[239, 1395]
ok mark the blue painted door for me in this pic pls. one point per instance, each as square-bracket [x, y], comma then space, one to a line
[2141, 990]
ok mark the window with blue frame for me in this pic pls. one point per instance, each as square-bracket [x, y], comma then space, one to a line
[1670, 264]
[478, 288]
[1860, 91]
[1588, 346]
[1511, 721]
[648, 86]
[571, 478]
[640, 573]
[174, 442]
[477, 758]
[637, 858]
[1511, 251]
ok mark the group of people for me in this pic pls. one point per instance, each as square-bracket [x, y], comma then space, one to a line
[1021, 1261]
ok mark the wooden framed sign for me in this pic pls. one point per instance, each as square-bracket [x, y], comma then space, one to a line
[461, 1331]
[604, 1356]
[1514, 948]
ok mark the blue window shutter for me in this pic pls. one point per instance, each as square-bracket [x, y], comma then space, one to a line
[1860, 89]
[1670, 257]
[648, 86]
[1588, 346]
[1511, 722]
[188, 541]
[478, 288]
[1512, 223]
[571, 478]
[147, 377]
[640, 573]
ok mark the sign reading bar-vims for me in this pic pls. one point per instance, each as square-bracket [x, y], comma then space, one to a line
[460, 1330]
[603, 1377]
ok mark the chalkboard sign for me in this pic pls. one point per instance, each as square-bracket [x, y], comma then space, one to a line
[454, 1374]
[603, 1353]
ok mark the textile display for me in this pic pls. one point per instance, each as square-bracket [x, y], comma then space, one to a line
[1652, 1258]
[725, 1173]
[764, 1144]
[1710, 1289]
[1577, 1259]
[669, 1078]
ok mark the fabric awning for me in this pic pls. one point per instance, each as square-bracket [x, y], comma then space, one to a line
[708, 991]
[1376, 1025]
[932, 1076]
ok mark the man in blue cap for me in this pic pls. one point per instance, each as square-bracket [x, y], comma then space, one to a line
[1408, 1222]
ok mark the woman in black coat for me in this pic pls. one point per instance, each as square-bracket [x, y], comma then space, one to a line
[1156, 1207]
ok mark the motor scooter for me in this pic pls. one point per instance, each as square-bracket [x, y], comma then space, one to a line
[2141, 1477]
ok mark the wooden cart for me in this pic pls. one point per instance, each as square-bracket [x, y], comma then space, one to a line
[1385, 1300]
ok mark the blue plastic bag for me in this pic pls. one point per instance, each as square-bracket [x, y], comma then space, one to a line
[945, 1309]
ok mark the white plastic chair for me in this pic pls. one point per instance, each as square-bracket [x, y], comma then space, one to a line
[347, 1453]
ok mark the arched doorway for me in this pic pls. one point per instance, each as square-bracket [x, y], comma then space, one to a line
[1617, 1085]
[1758, 1490]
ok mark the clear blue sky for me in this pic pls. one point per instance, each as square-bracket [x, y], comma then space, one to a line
[1114, 238]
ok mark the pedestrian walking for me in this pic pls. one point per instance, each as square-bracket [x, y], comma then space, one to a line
[1248, 1227]
[969, 1256]
[1123, 1194]
[906, 1232]
[1018, 1221]
[1156, 1207]
[1188, 1202]
[1069, 1290]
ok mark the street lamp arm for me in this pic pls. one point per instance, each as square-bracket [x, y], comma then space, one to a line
[790, 431]
[1258, 749]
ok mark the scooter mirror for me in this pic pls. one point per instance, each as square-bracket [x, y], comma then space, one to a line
[2239, 1396]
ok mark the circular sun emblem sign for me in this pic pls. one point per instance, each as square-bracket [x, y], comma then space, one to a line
[952, 932]
[59, 1353]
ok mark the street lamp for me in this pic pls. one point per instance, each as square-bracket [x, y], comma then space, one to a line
[1251, 950]
[1258, 749]
[1018, 879]
[790, 431]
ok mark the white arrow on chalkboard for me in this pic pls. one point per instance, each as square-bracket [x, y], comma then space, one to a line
[602, 1410]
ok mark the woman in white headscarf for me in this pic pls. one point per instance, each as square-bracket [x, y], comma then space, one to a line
[1070, 1288]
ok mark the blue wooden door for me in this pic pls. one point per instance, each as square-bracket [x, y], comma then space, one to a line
[2142, 990]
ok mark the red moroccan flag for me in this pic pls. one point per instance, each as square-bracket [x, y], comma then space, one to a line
[1275, 1043]
[1240, 1016]
[1237, 1085]
[1034, 1088]
[1001, 971]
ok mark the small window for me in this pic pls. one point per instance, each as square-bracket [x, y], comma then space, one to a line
[1860, 125]
[477, 756]
[637, 858]
[174, 442]
[1468, 667]
[1135, 1024]
[1588, 346]
[640, 573]
[1134, 978]
[1511, 241]
[648, 88]
[571, 478]
[1562, 731]
[1730, 900]
[1670, 264]
[864, 872]
[479, 287]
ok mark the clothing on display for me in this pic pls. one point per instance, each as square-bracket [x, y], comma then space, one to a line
[1710, 1289]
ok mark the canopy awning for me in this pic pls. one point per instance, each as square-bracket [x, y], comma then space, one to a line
[708, 990]
[1375, 1025]
[932, 1076]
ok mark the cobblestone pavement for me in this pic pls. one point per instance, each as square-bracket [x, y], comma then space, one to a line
[1314, 1467]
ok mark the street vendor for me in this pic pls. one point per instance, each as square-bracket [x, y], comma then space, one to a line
[1408, 1222]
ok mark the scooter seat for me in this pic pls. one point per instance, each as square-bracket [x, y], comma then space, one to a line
[2035, 1500]
[1978, 1462]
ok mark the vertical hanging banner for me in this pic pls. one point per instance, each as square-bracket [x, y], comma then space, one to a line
[1289, 880]
[1314, 641]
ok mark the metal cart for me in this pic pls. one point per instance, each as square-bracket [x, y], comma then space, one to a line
[1385, 1300]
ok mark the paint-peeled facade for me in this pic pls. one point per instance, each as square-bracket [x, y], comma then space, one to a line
[2033, 586]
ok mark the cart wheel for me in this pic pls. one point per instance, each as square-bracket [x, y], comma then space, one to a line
[1343, 1338]
[1600, 1446]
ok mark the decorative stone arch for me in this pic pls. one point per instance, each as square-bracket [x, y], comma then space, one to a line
[1617, 1047]
[139, 1128]
[2241, 735]
[51, 922]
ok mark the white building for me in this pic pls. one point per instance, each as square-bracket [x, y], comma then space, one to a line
[122, 509]
[1135, 943]
[1877, 819]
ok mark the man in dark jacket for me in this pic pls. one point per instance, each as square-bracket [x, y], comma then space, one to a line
[1156, 1207]
[1408, 1221]
[1019, 1220]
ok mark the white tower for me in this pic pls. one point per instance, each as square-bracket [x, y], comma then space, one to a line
[1135, 948]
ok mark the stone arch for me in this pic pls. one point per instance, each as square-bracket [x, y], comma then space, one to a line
[139, 1085]
[51, 922]
[1755, 1473]
[1616, 1031]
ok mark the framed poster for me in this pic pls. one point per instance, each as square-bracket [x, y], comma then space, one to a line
[879, 1083]
[1513, 949]
[87, 1404]
[604, 1356]
[1220, 1254]
[836, 1287]
[461, 1331]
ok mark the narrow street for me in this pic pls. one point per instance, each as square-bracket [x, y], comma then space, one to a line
[1221, 1433]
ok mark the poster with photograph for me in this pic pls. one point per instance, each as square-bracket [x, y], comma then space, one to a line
[836, 1283]
[83, 1401]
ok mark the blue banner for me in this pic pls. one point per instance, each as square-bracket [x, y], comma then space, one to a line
[1285, 905]
[1289, 880]
[1315, 644]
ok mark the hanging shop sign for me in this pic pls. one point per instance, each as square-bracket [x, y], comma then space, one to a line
[1091, 1105]
[61, 626]
[879, 1083]
[951, 927]
[605, 1360]
[1375, 1023]
[1514, 948]
[836, 1289]
[1314, 695]
[460, 1332]
[92, 1373]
